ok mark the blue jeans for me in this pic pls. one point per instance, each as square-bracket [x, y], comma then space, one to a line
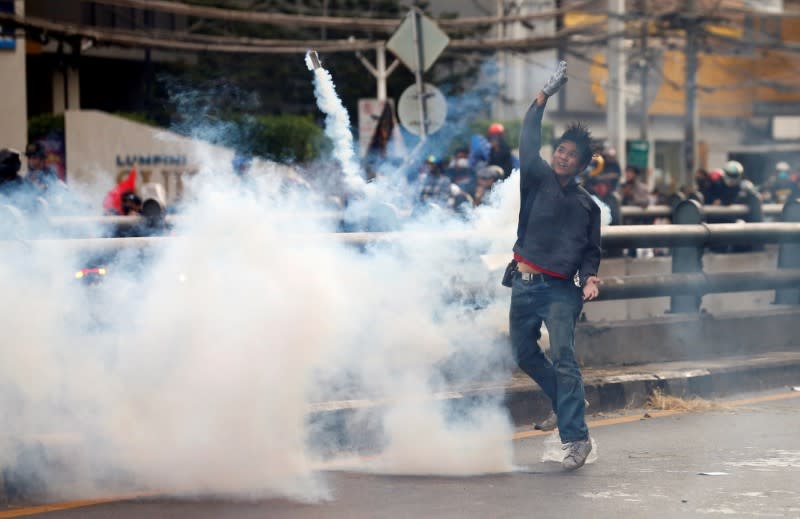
[558, 304]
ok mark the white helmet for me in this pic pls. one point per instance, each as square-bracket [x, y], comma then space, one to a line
[733, 170]
[782, 166]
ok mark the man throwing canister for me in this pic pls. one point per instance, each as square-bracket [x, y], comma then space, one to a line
[556, 258]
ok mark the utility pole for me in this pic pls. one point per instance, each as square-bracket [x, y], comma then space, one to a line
[615, 107]
[692, 119]
[644, 124]
[502, 66]
[379, 71]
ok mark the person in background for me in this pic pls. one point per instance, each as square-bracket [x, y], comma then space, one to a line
[556, 258]
[499, 151]
[435, 185]
[634, 192]
[11, 183]
[601, 186]
[461, 173]
[780, 186]
[702, 180]
[611, 173]
[40, 175]
[712, 191]
[478, 151]
[131, 204]
[735, 189]
[486, 177]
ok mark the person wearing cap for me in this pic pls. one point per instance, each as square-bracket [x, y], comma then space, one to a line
[40, 175]
[435, 185]
[10, 181]
[499, 150]
[556, 258]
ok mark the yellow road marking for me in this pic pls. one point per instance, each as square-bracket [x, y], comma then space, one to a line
[660, 414]
[67, 505]
[55, 507]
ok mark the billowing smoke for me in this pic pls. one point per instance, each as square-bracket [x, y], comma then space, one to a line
[250, 350]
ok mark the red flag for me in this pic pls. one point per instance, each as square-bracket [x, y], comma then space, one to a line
[113, 200]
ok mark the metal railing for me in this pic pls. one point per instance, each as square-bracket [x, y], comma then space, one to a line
[663, 211]
[687, 237]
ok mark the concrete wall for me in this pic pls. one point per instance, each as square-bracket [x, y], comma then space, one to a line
[100, 148]
[13, 101]
[687, 337]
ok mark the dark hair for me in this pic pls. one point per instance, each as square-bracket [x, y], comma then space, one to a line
[635, 170]
[578, 133]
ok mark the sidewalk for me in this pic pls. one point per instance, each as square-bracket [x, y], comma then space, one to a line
[618, 387]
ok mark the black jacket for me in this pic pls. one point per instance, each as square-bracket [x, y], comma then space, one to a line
[559, 227]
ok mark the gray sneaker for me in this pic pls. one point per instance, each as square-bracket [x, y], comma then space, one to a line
[576, 455]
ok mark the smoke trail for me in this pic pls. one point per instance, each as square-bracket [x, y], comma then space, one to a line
[337, 124]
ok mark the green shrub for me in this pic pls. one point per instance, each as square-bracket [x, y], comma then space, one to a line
[41, 126]
[287, 138]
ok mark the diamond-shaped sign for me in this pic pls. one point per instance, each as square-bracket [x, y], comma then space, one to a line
[432, 39]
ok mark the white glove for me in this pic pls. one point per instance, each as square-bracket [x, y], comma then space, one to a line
[557, 80]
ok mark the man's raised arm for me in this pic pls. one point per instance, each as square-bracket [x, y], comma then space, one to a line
[531, 134]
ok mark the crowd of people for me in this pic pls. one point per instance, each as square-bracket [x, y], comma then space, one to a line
[466, 178]
[40, 183]
[452, 183]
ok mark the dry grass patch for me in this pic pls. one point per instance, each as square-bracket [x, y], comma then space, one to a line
[658, 400]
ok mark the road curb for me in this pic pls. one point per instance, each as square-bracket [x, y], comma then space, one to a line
[614, 392]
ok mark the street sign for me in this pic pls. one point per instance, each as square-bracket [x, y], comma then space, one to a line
[432, 38]
[409, 114]
[637, 153]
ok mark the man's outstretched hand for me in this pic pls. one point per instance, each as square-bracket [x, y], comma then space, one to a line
[557, 80]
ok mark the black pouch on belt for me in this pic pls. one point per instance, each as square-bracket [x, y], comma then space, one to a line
[508, 275]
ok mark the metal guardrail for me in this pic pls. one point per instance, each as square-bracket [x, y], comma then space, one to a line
[687, 237]
[66, 222]
[695, 284]
[617, 236]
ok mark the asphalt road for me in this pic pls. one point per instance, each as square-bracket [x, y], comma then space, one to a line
[743, 460]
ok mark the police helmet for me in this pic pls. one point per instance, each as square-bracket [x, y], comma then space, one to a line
[733, 170]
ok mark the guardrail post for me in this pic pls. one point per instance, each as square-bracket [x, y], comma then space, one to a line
[686, 259]
[789, 255]
[753, 202]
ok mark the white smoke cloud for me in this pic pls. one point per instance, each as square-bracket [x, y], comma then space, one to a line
[194, 371]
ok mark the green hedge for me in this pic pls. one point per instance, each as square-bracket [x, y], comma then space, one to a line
[286, 138]
[41, 126]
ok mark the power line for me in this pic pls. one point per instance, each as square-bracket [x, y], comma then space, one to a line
[196, 42]
[272, 18]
